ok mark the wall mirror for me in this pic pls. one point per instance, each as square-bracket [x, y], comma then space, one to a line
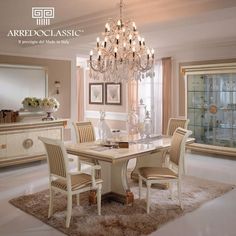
[20, 81]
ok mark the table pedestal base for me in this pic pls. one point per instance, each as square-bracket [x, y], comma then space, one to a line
[124, 199]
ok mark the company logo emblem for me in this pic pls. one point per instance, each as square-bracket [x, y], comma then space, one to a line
[43, 15]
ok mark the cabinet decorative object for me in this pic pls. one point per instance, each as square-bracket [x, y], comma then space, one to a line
[19, 141]
[211, 109]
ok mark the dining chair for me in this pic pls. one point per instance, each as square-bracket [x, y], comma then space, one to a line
[174, 123]
[84, 133]
[171, 174]
[70, 183]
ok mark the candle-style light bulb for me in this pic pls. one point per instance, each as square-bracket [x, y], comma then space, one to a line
[99, 55]
[98, 40]
[133, 49]
[119, 24]
[152, 51]
[134, 26]
[148, 53]
[130, 38]
[106, 27]
[143, 41]
[117, 38]
[105, 42]
[91, 54]
[139, 40]
[115, 50]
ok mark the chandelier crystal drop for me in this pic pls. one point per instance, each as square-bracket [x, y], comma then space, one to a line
[122, 55]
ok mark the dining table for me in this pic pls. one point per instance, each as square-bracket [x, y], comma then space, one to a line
[114, 162]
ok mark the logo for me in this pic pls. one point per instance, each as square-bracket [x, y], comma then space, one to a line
[44, 35]
[43, 15]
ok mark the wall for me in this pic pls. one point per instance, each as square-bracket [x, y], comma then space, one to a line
[59, 70]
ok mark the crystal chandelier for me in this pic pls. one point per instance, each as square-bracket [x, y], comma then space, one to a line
[122, 55]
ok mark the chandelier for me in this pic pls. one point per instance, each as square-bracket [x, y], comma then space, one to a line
[122, 55]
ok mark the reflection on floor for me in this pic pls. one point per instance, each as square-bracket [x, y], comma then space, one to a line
[216, 217]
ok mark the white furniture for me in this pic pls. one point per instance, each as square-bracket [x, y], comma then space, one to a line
[70, 183]
[19, 141]
[170, 174]
[114, 163]
[211, 107]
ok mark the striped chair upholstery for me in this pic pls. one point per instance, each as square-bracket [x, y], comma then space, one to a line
[175, 123]
[61, 179]
[171, 174]
[84, 132]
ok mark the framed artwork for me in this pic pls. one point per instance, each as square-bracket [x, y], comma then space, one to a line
[96, 93]
[113, 93]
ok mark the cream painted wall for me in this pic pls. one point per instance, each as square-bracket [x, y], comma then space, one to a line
[59, 70]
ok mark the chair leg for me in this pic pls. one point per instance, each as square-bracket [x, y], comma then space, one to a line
[69, 209]
[99, 199]
[180, 195]
[148, 196]
[77, 199]
[140, 186]
[50, 209]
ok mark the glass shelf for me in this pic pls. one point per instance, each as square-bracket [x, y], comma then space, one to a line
[211, 108]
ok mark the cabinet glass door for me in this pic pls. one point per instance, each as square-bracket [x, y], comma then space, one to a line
[211, 108]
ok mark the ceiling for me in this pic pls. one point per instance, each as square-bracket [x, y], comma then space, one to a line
[166, 24]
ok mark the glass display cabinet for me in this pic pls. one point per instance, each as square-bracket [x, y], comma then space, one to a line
[211, 108]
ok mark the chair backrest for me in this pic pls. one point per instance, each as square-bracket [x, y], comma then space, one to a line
[177, 149]
[84, 131]
[56, 157]
[174, 123]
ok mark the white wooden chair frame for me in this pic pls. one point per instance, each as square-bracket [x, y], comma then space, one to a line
[96, 184]
[177, 168]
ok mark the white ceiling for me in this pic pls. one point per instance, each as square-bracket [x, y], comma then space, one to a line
[165, 24]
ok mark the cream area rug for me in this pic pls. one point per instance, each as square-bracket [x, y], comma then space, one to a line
[119, 219]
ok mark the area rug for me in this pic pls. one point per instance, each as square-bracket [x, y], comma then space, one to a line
[119, 219]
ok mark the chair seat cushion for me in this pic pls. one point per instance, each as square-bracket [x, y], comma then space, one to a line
[77, 182]
[150, 173]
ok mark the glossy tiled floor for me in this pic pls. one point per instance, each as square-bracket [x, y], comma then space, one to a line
[215, 218]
